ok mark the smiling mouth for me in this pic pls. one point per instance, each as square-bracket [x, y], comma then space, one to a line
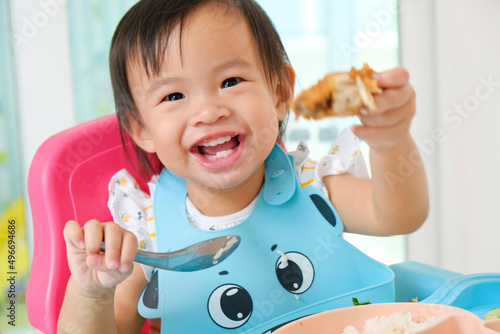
[217, 148]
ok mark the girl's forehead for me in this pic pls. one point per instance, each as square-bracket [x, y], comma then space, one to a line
[198, 28]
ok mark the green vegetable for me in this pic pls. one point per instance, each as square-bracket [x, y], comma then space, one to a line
[492, 314]
[356, 302]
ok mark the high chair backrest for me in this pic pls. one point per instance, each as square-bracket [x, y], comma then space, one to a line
[68, 180]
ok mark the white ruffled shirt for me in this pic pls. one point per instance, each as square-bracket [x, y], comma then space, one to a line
[132, 208]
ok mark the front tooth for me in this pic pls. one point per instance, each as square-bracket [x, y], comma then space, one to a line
[215, 142]
[224, 154]
[222, 140]
[211, 142]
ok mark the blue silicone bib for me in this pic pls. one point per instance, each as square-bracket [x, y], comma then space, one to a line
[291, 261]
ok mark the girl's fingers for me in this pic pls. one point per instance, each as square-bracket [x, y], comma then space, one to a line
[387, 119]
[129, 249]
[384, 127]
[113, 243]
[380, 138]
[93, 234]
[73, 234]
[393, 98]
[395, 77]
[120, 245]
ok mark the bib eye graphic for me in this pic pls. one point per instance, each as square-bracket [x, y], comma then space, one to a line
[295, 272]
[230, 306]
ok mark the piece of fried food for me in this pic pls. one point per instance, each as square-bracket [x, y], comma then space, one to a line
[338, 94]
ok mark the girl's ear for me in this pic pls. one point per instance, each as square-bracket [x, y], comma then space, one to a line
[141, 136]
[284, 92]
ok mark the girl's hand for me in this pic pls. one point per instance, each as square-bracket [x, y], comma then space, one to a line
[92, 271]
[385, 127]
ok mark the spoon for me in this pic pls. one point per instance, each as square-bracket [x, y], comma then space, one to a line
[201, 255]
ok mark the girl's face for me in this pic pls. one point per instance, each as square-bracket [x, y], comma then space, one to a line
[211, 115]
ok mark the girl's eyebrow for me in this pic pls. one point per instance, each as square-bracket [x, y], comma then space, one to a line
[159, 82]
[236, 63]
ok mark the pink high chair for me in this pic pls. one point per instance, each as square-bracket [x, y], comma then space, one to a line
[68, 180]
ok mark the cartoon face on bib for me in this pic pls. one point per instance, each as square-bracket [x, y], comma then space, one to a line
[230, 305]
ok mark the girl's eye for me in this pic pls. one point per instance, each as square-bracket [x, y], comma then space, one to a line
[231, 82]
[174, 97]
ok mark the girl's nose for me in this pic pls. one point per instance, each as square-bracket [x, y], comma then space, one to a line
[208, 112]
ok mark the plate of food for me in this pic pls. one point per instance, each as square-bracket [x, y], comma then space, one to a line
[395, 318]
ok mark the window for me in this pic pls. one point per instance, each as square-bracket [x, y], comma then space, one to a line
[91, 27]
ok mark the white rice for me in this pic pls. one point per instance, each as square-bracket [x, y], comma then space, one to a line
[396, 323]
